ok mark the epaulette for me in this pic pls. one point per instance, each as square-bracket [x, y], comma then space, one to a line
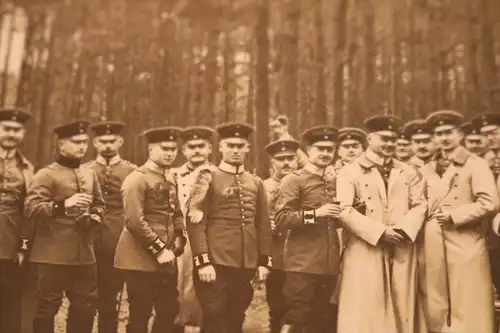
[130, 164]
[140, 169]
[298, 172]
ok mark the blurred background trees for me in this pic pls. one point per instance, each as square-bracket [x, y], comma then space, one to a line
[201, 62]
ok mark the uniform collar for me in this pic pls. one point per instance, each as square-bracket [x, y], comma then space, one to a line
[458, 156]
[226, 167]
[185, 169]
[154, 167]
[315, 170]
[15, 153]
[7, 155]
[370, 159]
[112, 161]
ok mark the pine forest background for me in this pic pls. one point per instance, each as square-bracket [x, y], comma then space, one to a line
[202, 62]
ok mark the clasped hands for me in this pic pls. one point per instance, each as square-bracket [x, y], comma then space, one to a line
[442, 217]
[395, 236]
[82, 201]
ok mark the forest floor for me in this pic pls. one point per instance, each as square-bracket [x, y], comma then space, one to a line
[256, 317]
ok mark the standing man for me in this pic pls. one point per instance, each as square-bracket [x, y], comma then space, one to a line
[196, 149]
[280, 131]
[283, 155]
[111, 170]
[474, 141]
[403, 147]
[461, 193]
[65, 202]
[153, 236]
[233, 238]
[352, 142]
[379, 276]
[306, 211]
[422, 142]
[16, 173]
[489, 127]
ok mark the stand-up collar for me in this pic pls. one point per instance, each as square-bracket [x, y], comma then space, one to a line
[233, 169]
[105, 161]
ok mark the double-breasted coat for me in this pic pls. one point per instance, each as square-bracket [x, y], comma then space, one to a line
[454, 265]
[378, 291]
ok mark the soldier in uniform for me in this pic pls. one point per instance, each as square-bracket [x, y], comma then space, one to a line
[111, 170]
[379, 277]
[474, 141]
[422, 142]
[283, 155]
[16, 173]
[196, 149]
[279, 131]
[462, 196]
[233, 237]
[352, 142]
[489, 127]
[306, 210]
[153, 236]
[65, 202]
[403, 147]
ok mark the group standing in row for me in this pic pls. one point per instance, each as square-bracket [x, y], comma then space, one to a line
[387, 229]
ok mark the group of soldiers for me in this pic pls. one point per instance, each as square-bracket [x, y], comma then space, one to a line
[386, 229]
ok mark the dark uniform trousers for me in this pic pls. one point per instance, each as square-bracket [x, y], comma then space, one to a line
[307, 297]
[225, 300]
[275, 298]
[110, 285]
[79, 284]
[10, 296]
[148, 290]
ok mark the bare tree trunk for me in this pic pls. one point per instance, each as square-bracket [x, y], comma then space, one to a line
[339, 58]
[262, 84]
[321, 116]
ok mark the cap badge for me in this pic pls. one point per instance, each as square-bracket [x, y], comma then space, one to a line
[195, 136]
[389, 127]
[171, 137]
[485, 123]
[326, 137]
[441, 122]
[349, 136]
[283, 148]
[237, 133]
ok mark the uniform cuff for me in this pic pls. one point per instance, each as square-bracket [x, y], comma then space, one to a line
[266, 261]
[24, 246]
[309, 217]
[58, 208]
[156, 247]
[201, 260]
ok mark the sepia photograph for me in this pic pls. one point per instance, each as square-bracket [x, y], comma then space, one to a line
[249, 166]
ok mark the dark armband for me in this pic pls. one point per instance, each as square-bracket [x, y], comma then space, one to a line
[309, 216]
[157, 247]
[201, 260]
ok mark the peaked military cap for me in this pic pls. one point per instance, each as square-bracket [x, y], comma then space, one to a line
[352, 133]
[470, 129]
[160, 134]
[417, 126]
[280, 147]
[107, 127]
[444, 117]
[197, 132]
[234, 130]
[14, 114]
[320, 133]
[71, 129]
[383, 123]
[486, 119]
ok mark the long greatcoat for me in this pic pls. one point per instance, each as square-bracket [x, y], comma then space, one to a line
[467, 189]
[378, 290]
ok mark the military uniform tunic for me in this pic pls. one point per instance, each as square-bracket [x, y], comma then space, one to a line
[235, 237]
[110, 174]
[110, 177]
[59, 238]
[236, 231]
[16, 173]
